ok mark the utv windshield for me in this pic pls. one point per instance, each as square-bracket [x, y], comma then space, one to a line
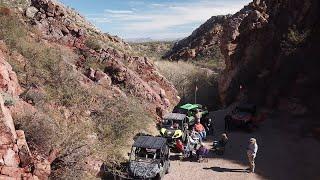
[173, 124]
[144, 154]
[182, 111]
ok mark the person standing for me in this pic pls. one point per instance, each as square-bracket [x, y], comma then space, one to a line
[197, 115]
[252, 150]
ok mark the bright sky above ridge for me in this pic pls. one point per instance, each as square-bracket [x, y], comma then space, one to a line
[156, 19]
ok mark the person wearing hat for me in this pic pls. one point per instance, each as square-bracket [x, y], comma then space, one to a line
[219, 146]
[252, 150]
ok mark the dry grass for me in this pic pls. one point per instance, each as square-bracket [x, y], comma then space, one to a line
[186, 76]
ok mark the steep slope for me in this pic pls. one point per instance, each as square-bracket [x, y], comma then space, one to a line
[15, 156]
[205, 41]
[275, 58]
[80, 95]
[62, 25]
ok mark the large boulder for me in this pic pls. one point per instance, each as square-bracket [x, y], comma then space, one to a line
[8, 79]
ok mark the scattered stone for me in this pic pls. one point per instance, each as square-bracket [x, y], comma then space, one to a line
[31, 12]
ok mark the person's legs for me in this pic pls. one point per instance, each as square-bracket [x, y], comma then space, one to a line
[251, 162]
[187, 151]
[200, 158]
[253, 165]
[204, 134]
[200, 136]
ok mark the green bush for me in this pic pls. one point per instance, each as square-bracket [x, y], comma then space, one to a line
[153, 50]
[294, 40]
[93, 43]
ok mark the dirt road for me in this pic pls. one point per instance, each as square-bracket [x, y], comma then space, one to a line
[282, 154]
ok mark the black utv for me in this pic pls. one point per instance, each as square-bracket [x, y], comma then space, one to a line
[149, 158]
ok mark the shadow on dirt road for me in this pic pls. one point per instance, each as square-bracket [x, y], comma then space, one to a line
[283, 153]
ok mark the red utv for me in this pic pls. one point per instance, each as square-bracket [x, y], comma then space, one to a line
[243, 116]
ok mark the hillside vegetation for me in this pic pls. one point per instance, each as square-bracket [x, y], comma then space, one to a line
[153, 50]
[185, 75]
[64, 119]
[82, 94]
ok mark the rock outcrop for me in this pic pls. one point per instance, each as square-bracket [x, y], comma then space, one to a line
[274, 56]
[66, 27]
[58, 23]
[16, 160]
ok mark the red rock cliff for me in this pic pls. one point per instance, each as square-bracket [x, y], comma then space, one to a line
[275, 56]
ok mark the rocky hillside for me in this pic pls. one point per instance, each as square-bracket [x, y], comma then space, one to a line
[202, 43]
[155, 49]
[78, 94]
[16, 159]
[275, 56]
[205, 41]
[268, 47]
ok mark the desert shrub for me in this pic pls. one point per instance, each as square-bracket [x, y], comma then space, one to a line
[216, 65]
[10, 30]
[154, 50]
[293, 40]
[8, 99]
[186, 77]
[94, 63]
[93, 43]
[17, 3]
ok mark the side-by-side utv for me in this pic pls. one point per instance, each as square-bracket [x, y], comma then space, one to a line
[190, 110]
[173, 127]
[149, 158]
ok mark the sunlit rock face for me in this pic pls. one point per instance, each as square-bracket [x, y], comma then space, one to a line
[15, 156]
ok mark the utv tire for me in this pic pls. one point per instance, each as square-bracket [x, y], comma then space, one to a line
[158, 177]
[168, 170]
[227, 123]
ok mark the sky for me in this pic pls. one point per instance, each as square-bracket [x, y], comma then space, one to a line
[156, 19]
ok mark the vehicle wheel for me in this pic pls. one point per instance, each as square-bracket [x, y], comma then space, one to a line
[227, 123]
[158, 177]
[220, 152]
[168, 170]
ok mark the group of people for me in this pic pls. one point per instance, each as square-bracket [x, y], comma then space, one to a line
[194, 145]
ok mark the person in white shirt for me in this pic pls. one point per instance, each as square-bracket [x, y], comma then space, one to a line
[252, 150]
